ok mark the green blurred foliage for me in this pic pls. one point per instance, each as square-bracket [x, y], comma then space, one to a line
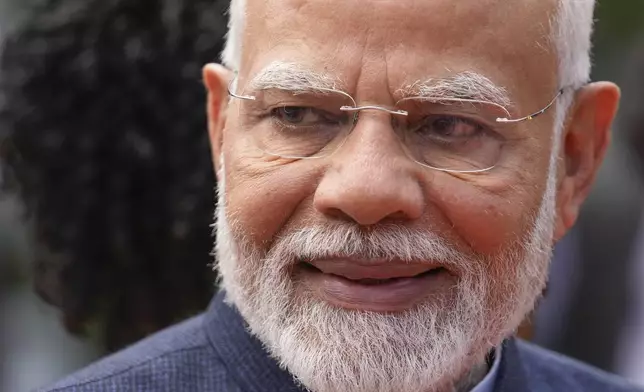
[619, 21]
[619, 27]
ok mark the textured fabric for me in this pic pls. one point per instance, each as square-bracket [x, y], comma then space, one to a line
[214, 352]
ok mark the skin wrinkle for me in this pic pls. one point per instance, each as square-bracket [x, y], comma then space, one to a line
[498, 185]
[263, 180]
[259, 174]
[498, 197]
[499, 194]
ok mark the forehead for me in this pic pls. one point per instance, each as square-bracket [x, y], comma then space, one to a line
[400, 40]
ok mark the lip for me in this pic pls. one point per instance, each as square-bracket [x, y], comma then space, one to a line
[341, 282]
[359, 269]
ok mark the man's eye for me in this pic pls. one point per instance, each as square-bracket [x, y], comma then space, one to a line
[449, 128]
[297, 115]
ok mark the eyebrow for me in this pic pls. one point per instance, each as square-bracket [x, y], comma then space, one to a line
[464, 85]
[292, 77]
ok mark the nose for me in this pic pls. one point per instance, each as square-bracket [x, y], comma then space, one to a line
[370, 180]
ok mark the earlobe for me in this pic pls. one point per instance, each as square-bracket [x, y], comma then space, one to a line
[567, 210]
[216, 79]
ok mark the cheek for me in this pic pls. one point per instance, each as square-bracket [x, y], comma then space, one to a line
[490, 217]
[492, 213]
[487, 223]
[263, 193]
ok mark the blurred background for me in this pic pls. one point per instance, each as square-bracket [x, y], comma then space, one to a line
[108, 188]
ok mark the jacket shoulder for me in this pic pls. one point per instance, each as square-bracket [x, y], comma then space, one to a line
[175, 359]
[553, 372]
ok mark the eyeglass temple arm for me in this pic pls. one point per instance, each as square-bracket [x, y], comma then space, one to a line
[232, 94]
[533, 115]
[245, 97]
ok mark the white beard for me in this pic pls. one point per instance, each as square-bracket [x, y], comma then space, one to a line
[427, 348]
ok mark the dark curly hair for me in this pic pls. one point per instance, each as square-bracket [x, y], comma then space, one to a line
[103, 135]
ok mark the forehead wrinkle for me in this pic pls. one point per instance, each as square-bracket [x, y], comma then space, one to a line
[463, 85]
[292, 77]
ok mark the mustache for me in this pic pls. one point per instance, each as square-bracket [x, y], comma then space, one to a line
[385, 241]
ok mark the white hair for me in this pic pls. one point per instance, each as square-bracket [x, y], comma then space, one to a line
[232, 53]
[572, 32]
[428, 348]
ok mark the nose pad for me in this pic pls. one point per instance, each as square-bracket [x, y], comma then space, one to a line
[396, 121]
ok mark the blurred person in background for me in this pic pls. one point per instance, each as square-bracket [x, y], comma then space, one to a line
[102, 135]
[630, 353]
[448, 228]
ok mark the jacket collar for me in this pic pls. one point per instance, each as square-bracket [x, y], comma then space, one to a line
[243, 355]
[512, 376]
[254, 370]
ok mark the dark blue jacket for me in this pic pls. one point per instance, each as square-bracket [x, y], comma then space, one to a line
[214, 352]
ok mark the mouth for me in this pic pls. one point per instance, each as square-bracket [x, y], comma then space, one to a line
[374, 286]
[365, 275]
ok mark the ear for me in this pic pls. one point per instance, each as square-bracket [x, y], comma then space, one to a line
[216, 79]
[586, 138]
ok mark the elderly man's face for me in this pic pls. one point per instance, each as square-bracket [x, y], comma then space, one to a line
[363, 269]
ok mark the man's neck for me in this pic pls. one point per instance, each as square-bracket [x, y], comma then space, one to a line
[473, 377]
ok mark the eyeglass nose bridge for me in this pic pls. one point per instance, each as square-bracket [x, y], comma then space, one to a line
[354, 109]
[396, 112]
